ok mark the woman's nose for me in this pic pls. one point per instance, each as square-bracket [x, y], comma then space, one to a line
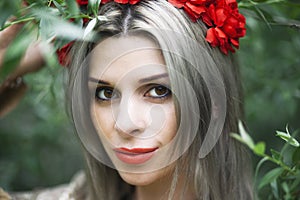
[130, 117]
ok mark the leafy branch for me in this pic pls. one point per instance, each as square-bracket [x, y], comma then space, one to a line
[284, 179]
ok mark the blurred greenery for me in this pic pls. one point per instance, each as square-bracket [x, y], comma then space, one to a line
[37, 144]
[270, 67]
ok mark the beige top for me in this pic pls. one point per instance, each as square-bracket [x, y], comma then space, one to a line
[76, 189]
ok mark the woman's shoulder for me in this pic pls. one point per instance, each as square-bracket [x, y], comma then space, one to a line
[76, 189]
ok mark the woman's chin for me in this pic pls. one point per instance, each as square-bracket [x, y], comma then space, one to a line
[146, 179]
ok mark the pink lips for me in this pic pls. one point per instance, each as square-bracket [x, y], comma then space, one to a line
[135, 155]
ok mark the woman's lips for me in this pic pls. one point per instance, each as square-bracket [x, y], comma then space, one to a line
[135, 155]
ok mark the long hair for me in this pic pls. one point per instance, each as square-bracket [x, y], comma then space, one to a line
[225, 172]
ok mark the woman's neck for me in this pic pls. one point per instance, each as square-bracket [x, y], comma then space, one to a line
[161, 189]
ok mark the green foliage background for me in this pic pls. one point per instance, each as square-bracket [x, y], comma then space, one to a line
[38, 147]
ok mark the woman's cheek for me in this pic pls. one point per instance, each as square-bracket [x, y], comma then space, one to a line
[103, 121]
[169, 128]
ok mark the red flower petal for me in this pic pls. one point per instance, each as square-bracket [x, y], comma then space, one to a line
[105, 1]
[235, 43]
[177, 3]
[63, 54]
[132, 2]
[194, 16]
[211, 37]
[82, 2]
[230, 31]
[206, 19]
[122, 1]
[198, 9]
[220, 33]
[220, 16]
[198, 2]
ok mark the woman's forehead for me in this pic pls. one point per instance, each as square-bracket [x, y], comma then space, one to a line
[121, 44]
[130, 53]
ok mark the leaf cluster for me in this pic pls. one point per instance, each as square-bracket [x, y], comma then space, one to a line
[53, 22]
[283, 180]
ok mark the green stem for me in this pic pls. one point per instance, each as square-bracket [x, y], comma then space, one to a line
[281, 164]
[17, 22]
[249, 3]
[258, 167]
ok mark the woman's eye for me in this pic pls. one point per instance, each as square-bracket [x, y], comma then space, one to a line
[158, 92]
[105, 94]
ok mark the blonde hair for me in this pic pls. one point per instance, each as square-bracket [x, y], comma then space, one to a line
[225, 173]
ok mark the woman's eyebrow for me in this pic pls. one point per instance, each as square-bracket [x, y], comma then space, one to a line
[151, 78]
[95, 80]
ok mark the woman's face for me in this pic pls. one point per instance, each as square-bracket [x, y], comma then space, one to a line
[132, 108]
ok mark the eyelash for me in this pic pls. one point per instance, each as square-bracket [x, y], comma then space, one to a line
[101, 89]
[166, 94]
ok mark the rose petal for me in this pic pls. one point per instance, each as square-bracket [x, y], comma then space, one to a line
[230, 31]
[198, 2]
[198, 9]
[82, 2]
[220, 17]
[132, 2]
[105, 1]
[63, 54]
[220, 33]
[206, 19]
[176, 3]
[121, 1]
[234, 42]
[211, 37]
[194, 16]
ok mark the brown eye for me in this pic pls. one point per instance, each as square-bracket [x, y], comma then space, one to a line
[158, 92]
[105, 94]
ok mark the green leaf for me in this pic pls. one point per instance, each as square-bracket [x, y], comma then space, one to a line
[296, 157]
[276, 155]
[288, 138]
[286, 189]
[59, 7]
[72, 7]
[7, 9]
[94, 6]
[270, 176]
[245, 136]
[260, 148]
[296, 182]
[50, 55]
[89, 28]
[53, 26]
[265, 16]
[274, 187]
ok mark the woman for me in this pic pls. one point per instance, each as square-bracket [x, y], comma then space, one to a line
[153, 100]
[162, 104]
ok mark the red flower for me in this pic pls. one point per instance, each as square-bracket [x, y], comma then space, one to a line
[82, 2]
[132, 2]
[225, 24]
[63, 54]
[194, 8]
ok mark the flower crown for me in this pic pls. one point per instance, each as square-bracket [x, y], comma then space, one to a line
[224, 22]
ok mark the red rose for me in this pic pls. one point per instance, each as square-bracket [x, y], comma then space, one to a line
[178, 3]
[132, 2]
[194, 8]
[225, 24]
[82, 2]
[63, 54]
